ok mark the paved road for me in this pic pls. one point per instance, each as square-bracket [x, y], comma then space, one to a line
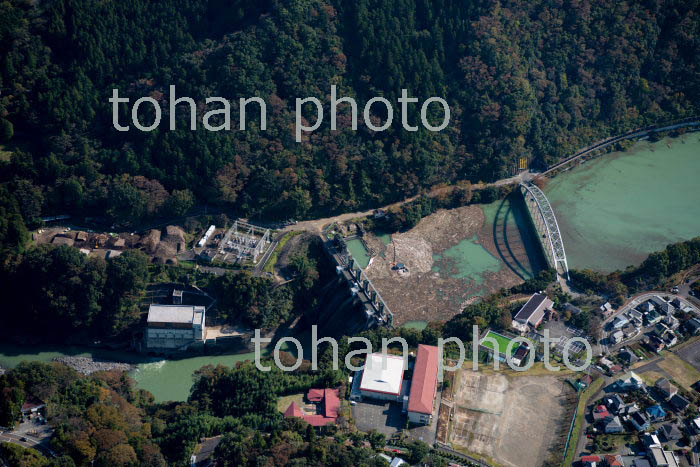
[30, 442]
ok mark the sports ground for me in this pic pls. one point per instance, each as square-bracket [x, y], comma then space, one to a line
[503, 342]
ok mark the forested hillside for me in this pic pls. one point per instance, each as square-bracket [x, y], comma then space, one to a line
[529, 78]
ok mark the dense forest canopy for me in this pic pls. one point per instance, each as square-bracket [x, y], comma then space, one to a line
[523, 78]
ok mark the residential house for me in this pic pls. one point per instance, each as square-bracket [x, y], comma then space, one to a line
[671, 322]
[628, 357]
[693, 325]
[669, 432]
[636, 316]
[615, 403]
[656, 413]
[613, 425]
[679, 403]
[617, 337]
[591, 460]
[601, 413]
[656, 344]
[614, 460]
[694, 426]
[606, 309]
[646, 307]
[639, 421]
[204, 452]
[650, 440]
[629, 382]
[32, 406]
[652, 318]
[665, 388]
[619, 322]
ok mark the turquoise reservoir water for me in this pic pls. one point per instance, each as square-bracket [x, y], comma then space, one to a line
[471, 259]
[617, 209]
[359, 252]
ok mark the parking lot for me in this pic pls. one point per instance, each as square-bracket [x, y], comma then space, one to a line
[384, 417]
[558, 330]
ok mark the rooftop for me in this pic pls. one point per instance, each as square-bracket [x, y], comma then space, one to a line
[383, 373]
[533, 309]
[424, 382]
[185, 314]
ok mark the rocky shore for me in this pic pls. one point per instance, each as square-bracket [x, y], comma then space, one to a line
[88, 365]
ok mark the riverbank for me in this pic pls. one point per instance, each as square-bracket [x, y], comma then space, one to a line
[89, 365]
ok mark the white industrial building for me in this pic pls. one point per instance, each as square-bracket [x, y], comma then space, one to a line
[382, 377]
[175, 327]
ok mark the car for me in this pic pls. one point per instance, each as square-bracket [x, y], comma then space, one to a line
[23, 439]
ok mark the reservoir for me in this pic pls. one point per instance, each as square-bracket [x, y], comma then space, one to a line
[615, 210]
[612, 211]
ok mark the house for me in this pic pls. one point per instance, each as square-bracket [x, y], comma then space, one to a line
[670, 338]
[327, 403]
[629, 382]
[646, 307]
[619, 322]
[650, 440]
[601, 413]
[591, 460]
[605, 363]
[32, 406]
[397, 461]
[606, 309]
[382, 377]
[617, 337]
[532, 313]
[628, 357]
[679, 402]
[671, 322]
[175, 327]
[640, 463]
[669, 432]
[652, 318]
[615, 369]
[636, 315]
[614, 461]
[203, 452]
[693, 325]
[661, 458]
[656, 413]
[615, 403]
[694, 426]
[613, 425]
[639, 421]
[676, 302]
[423, 385]
[656, 344]
[665, 388]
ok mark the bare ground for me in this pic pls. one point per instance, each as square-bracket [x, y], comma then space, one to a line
[513, 420]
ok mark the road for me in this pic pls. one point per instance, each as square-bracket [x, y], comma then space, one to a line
[30, 442]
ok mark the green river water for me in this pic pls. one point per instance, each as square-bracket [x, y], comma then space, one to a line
[615, 210]
[612, 212]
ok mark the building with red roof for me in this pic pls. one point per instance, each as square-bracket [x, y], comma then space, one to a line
[601, 412]
[327, 404]
[423, 385]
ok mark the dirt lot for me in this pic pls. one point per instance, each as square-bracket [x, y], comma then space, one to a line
[511, 420]
[423, 293]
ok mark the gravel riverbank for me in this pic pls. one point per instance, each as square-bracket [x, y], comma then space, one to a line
[88, 365]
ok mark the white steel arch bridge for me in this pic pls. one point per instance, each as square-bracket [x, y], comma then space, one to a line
[542, 215]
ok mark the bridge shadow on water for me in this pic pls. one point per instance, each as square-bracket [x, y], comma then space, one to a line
[515, 238]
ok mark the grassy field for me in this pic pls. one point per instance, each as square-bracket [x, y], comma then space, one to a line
[580, 416]
[502, 343]
[283, 402]
[651, 377]
[682, 372]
